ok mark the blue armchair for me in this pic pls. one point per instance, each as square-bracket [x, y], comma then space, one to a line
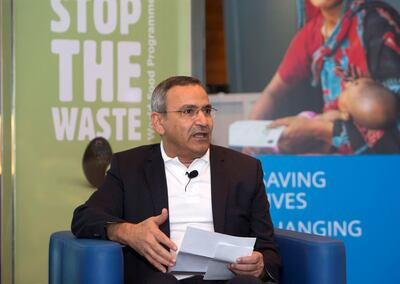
[307, 259]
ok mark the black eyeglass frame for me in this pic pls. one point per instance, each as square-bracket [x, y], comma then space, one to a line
[208, 111]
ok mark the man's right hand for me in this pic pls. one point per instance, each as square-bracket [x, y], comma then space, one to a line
[147, 239]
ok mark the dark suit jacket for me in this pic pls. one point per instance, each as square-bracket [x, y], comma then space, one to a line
[135, 189]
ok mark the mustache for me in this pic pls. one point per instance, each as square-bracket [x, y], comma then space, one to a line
[200, 129]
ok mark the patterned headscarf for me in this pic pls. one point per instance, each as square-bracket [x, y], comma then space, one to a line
[338, 35]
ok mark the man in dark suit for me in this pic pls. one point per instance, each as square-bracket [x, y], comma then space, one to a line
[152, 193]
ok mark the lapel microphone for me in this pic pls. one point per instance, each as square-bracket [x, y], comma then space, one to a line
[191, 175]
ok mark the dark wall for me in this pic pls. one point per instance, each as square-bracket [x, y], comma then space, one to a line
[257, 36]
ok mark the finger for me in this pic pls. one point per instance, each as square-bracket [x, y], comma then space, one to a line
[160, 219]
[162, 253]
[155, 263]
[280, 122]
[164, 258]
[275, 124]
[162, 238]
[241, 272]
[244, 267]
[252, 259]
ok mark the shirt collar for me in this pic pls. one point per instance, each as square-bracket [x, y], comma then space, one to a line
[166, 158]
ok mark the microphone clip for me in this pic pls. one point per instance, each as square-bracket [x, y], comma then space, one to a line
[191, 175]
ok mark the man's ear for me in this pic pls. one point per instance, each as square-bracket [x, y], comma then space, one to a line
[156, 122]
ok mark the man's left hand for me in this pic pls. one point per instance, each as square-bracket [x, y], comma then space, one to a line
[249, 265]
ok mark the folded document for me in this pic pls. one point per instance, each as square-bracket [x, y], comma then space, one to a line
[210, 253]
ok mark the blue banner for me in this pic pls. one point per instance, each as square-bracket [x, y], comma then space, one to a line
[353, 198]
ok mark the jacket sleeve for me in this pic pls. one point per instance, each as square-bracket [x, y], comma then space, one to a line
[104, 206]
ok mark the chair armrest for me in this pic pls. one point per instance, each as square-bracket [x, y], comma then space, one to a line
[310, 258]
[307, 259]
[86, 261]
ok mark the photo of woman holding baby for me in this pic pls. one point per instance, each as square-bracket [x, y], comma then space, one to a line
[351, 51]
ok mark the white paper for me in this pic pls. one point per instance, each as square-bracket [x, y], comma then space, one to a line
[217, 270]
[254, 133]
[210, 253]
[229, 253]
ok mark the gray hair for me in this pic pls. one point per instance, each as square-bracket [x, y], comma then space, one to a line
[158, 98]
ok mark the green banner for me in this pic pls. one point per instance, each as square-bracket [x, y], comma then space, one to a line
[83, 68]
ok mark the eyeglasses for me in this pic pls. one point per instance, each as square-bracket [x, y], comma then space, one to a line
[193, 112]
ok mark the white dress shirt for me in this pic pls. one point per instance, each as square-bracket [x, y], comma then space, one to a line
[193, 206]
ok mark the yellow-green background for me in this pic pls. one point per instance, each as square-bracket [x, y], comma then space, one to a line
[6, 176]
[49, 181]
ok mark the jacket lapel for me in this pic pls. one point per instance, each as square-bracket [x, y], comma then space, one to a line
[157, 182]
[219, 188]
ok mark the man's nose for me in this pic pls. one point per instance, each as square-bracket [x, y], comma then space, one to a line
[202, 118]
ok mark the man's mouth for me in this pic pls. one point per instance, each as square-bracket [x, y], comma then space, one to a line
[201, 135]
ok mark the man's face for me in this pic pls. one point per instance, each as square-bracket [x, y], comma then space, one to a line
[184, 136]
